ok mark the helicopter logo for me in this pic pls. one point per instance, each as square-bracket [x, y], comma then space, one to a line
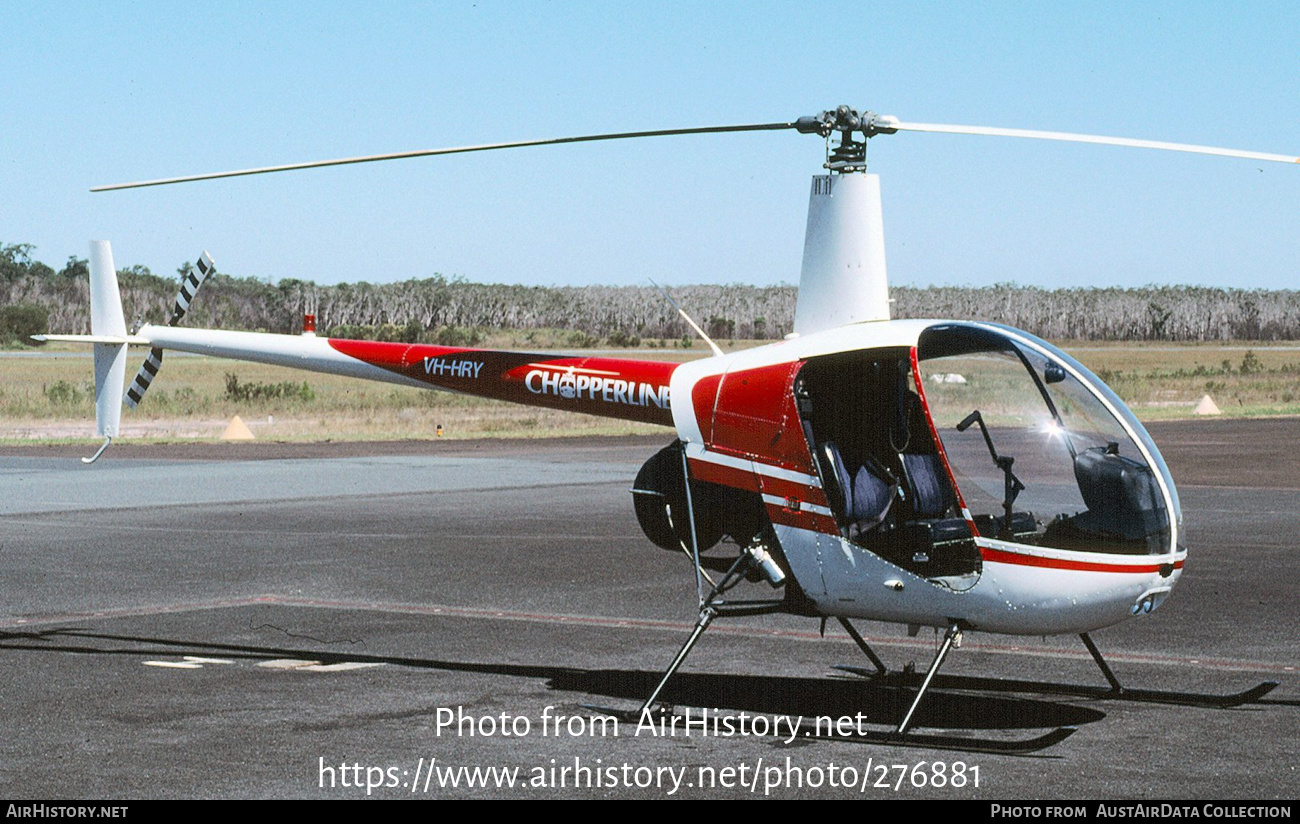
[572, 382]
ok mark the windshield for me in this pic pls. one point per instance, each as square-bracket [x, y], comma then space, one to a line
[1037, 454]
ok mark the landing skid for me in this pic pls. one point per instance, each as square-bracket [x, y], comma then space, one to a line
[962, 682]
[902, 736]
[1023, 746]
[714, 606]
[1115, 692]
[960, 743]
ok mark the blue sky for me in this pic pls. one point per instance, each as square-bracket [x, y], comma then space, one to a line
[111, 92]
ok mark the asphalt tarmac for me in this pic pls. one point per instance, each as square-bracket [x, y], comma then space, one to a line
[302, 621]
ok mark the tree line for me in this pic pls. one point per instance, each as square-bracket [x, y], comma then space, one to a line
[449, 310]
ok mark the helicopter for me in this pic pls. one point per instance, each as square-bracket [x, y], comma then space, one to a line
[960, 475]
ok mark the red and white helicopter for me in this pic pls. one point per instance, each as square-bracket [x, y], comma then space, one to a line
[952, 474]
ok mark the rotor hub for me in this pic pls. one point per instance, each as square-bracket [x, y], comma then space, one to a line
[848, 154]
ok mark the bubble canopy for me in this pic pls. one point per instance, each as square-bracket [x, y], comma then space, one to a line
[1042, 452]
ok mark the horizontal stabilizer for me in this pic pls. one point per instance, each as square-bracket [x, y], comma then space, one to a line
[135, 340]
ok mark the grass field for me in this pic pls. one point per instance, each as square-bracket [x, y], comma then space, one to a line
[1166, 380]
[47, 395]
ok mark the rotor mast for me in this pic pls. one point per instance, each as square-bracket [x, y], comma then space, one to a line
[843, 278]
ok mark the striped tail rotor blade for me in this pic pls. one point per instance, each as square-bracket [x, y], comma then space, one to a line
[148, 371]
[194, 277]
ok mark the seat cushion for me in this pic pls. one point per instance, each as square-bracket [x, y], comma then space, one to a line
[928, 487]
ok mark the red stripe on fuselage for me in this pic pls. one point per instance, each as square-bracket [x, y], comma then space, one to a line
[793, 492]
[723, 475]
[635, 390]
[756, 481]
[999, 556]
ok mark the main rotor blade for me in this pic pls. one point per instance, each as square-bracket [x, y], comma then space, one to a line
[453, 150]
[945, 128]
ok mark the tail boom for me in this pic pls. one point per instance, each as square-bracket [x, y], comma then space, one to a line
[623, 388]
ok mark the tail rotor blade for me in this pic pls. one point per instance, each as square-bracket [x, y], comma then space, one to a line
[194, 278]
[148, 371]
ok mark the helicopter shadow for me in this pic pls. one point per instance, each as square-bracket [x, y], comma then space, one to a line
[830, 697]
[809, 696]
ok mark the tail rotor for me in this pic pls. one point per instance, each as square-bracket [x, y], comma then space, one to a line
[195, 275]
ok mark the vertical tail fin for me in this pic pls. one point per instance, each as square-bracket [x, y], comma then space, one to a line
[106, 318]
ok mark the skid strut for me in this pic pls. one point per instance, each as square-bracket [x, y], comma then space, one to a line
[1115, 686]
[950, 638]
[713, 604]
[1194, 699]
[707, 614]
[881, 669]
